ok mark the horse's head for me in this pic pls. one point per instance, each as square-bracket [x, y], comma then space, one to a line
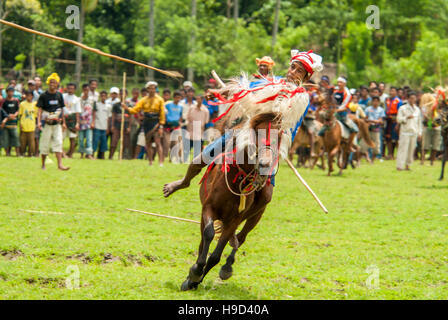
[261, 142]
[327, 103]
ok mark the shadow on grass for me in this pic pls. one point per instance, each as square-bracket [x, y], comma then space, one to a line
[217, 290]
[434, 187]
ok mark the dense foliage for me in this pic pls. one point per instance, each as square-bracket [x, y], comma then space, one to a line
[410, 47]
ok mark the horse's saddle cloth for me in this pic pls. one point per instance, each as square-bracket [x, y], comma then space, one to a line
[345, 131]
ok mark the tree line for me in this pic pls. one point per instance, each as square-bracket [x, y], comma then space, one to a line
[195, 36]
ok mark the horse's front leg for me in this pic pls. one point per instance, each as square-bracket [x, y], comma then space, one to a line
[226, 270]
[444, 159]
[207, 235]
[331, 156]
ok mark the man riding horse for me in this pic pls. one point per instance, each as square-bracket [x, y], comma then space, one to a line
[302, 67]
[342, 96]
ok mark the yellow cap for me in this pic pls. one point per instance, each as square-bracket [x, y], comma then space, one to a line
[53, 76]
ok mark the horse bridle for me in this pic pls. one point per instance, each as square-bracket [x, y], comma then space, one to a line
[258, 181]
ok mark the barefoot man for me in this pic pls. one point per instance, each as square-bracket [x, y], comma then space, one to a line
[302, 66]
[51, 110]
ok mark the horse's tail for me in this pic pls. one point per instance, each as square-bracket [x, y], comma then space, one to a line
[364, 132]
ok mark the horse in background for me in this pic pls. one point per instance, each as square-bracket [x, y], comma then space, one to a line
[301, 146]
[335, 144]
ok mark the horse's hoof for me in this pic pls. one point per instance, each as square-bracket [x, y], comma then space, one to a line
[225, 274]
[193, 275]
[189, 285]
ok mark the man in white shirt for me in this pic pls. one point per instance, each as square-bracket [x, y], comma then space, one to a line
[72, 110]
[102, 111]
[410, 119]
[93, 94]
[186, 104]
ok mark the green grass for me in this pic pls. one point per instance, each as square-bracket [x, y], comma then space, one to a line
[378, 217]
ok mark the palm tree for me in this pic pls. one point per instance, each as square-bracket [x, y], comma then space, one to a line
[86, 7]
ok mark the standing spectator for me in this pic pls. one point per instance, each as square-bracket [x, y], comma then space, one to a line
[38, 90]
[400, 93]
[153, 121]
[375, 117]
[85, 124]
[93, 94]
[27, 117]
[113, 99]
[144, 92]
[173, 112]
[51, 110]
[376, 92]
[197, 117]
[102, 111]
[167, 95]
[3, 119]
[364, 100]
[384, 95]
[391, 133]
[373, 84]
[187, 103]
[187, 85]
[32, 87]
[116, 130]
[135, 125]
[409, 118]
[72, 111]
[11, 135]
[16, 94]
[113, 96]
[213, 109]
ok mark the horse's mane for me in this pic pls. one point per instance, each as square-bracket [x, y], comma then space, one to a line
[274, 117]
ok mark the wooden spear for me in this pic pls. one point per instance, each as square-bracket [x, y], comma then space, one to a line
[306, 185]
[163, 216]
[173, 74]
[123, 100]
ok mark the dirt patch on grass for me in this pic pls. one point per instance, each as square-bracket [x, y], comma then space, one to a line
[83, 257]
[109, 258]
[46, 282]
[133, 260]
[12, 255]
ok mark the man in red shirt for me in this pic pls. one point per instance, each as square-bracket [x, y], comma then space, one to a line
[391, 134]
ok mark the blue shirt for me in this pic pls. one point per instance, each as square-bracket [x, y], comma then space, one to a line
[213, 110]
[16, 95]
[173, 113]
[375, 114]
[365, 102]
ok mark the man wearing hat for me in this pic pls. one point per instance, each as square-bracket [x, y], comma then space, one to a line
[187, 85]
[153, 107]
[265, 66]
[51, 111]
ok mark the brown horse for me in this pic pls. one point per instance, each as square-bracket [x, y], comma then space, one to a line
[302, 140]
[234, 192]
[334, 144]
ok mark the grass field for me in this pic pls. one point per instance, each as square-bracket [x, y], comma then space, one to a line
[382, 224]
